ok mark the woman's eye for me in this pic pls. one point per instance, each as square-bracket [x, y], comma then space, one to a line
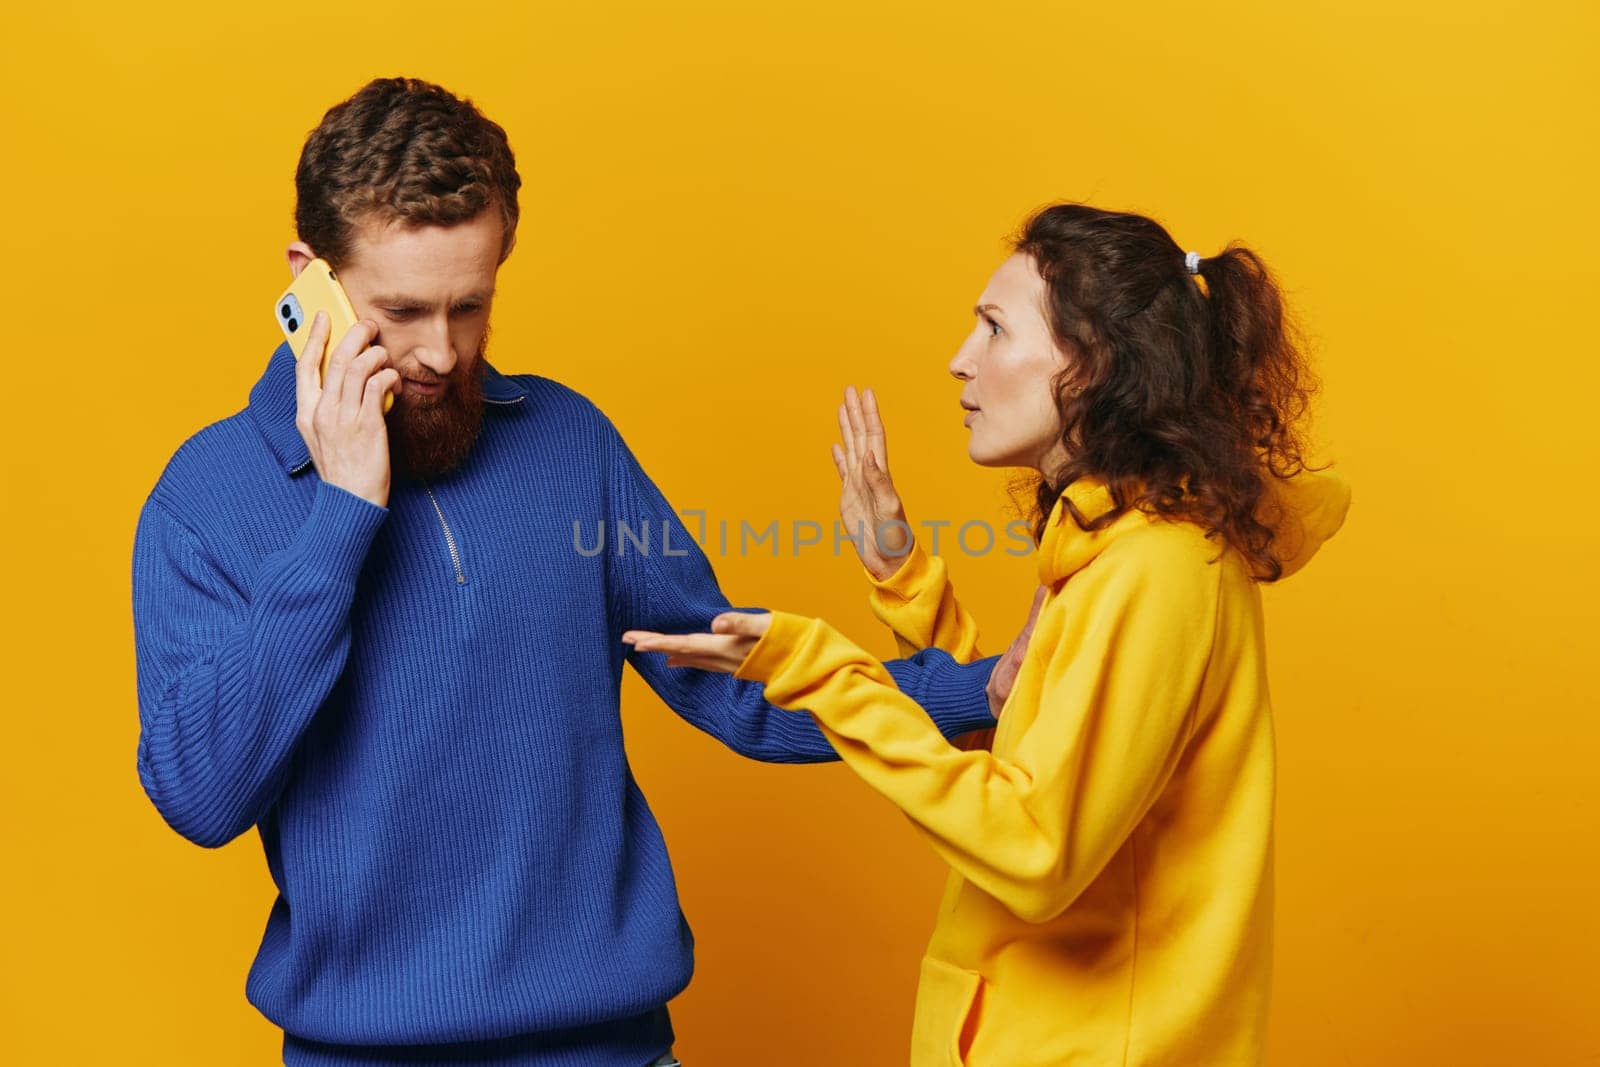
[994, 327]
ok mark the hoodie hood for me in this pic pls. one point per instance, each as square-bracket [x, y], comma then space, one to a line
[1312, 507]
[1305, 509]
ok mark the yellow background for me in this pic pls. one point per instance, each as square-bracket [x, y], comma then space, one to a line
[730, 211]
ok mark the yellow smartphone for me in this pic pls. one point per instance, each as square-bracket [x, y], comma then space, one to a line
[316, 289]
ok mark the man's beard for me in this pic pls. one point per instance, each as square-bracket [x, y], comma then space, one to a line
[430, 436]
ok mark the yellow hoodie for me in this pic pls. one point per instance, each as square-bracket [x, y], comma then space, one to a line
[1111, 894]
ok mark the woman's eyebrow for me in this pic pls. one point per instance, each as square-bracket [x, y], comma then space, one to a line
[981, 308]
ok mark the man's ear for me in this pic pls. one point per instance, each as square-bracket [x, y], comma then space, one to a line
[299, 254]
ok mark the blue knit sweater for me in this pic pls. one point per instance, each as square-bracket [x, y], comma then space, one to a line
[417, 705]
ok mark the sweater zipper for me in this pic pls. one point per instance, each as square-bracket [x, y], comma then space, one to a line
[449, 538]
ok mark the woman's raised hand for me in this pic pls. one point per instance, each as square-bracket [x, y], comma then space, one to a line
[870, 508]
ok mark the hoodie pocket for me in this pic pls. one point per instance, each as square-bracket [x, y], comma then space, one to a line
[948, 1001]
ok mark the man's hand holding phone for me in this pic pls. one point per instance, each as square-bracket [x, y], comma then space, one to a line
[341, 418]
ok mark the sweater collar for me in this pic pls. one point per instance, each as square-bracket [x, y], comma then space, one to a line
[1306, 509]
[272, 405]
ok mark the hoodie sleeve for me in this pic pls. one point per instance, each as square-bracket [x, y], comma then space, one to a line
[671, 588]
[1114, 713]
[918, 603]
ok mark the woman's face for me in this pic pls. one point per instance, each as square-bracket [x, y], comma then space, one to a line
[1005, 367]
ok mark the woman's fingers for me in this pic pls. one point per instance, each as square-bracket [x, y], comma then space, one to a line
[650, 641]
[848, 435]
[744, 623]
[858, 421]
[737, 633]
[872, 424]
[877, 477]
[699, 650]
[838, 462]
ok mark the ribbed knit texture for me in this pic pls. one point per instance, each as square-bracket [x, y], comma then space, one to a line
[418, 706]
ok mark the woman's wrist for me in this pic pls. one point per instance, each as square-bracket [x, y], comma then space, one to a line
[774, 649]
[888, 568]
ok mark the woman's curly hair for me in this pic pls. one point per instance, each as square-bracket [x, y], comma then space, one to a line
[402, 149]
[1192, 387]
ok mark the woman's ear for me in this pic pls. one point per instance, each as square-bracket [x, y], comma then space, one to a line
[299, 254]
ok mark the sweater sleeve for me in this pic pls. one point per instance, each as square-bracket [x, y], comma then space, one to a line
[664, 583]
[918, 603]
[231, 668]
[1115, 711]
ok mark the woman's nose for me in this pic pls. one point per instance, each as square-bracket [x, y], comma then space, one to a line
[961, 364]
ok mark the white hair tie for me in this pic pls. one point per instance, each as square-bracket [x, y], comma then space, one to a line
[1191, 262]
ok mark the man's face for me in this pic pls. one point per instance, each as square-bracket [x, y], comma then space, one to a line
[429, 289]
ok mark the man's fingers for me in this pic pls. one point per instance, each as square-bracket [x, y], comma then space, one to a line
[355, 339]
[308, 369]
[849, 436]
[359, 372]
[838, 461]
[1012, 659]
[1033, 612]
[349, 346]
[1005, 672]
[377, 385]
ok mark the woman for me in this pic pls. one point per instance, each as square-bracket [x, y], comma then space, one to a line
[1110, 900]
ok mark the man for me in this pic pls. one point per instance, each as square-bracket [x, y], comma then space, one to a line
[373, 637]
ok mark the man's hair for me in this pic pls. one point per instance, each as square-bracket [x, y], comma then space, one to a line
[406, 150]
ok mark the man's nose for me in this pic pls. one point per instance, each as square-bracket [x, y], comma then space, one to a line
[434, 351]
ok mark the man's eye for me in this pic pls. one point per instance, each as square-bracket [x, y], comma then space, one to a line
[406, 313]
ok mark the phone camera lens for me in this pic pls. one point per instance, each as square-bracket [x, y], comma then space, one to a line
[293, 325]
[284, 311]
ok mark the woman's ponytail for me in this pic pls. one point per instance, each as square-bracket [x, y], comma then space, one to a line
[1254, 355]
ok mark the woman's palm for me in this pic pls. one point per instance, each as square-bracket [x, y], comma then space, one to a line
[869, 506]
